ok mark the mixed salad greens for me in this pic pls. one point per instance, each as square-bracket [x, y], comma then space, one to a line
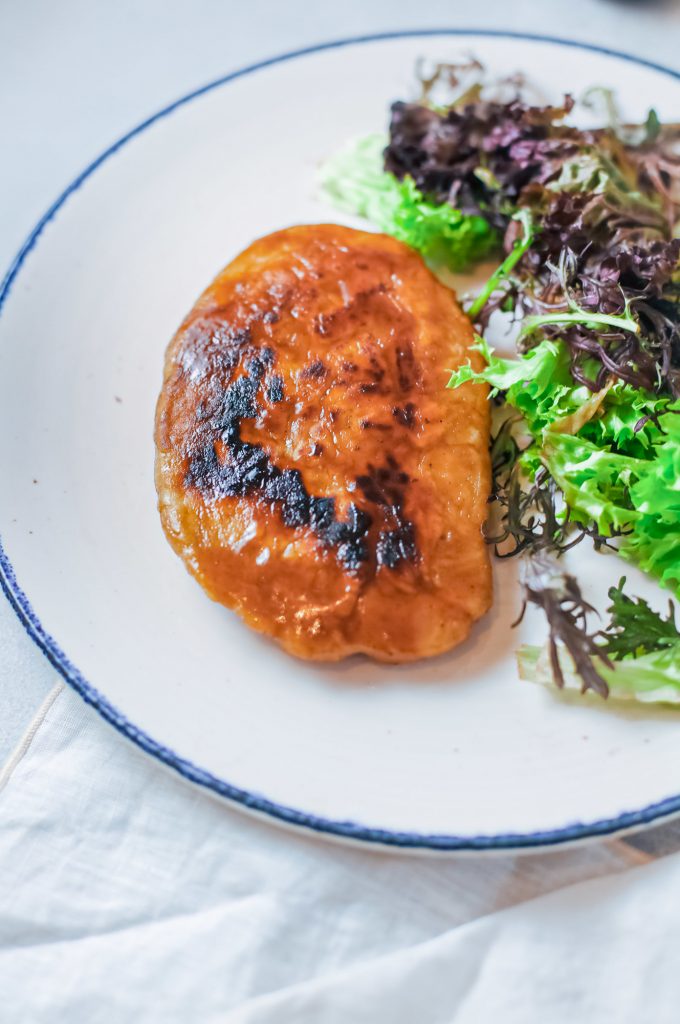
[584, 226]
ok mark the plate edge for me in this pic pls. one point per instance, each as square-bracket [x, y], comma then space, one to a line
[254, 802]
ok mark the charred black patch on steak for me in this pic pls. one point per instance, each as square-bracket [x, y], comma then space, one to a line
[249, 472]
[274, 390]
[385, 486]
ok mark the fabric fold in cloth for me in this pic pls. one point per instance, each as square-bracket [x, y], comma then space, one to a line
[127, 894]
[598, 951]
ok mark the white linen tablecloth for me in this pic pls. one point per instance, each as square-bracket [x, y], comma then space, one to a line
[128, 895]
[125, 894]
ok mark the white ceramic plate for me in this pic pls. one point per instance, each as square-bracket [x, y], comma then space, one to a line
[452, 753]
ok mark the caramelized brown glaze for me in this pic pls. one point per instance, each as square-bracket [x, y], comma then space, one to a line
[312, 469]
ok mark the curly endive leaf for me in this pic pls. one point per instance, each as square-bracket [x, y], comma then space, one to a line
[355, 181]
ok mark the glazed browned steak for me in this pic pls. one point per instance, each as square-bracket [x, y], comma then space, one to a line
[312, 469]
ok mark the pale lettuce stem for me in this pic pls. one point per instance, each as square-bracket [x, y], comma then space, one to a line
[605, 319]
[513, 257]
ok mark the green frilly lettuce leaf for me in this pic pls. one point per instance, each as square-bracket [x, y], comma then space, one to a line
[355, 181]
[652, 678]
[615, 456]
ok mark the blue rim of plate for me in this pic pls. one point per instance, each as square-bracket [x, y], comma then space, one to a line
[253, 801]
